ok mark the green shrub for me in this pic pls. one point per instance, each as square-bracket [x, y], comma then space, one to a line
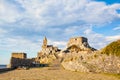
[113, 49]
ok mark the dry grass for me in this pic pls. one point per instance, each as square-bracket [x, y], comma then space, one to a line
[53, 74]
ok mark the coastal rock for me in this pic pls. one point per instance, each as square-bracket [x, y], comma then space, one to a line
[83, 58]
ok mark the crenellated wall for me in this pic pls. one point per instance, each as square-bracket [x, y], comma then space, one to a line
[20, 55]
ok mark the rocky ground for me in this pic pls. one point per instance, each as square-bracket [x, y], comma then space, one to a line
[92, 62]
[51, 73]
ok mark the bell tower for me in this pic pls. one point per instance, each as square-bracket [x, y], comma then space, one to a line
[44, 43]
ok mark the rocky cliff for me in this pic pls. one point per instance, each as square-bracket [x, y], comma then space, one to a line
[93, 62]
[88, 60]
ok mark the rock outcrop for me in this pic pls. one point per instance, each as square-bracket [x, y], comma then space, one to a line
[77, 45]
[83, 58]
[93, 62]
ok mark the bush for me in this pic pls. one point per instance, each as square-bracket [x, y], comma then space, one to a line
[113, 49]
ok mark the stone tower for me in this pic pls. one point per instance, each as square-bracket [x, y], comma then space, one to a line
[19, 55]
[44, 43]
[80, 42]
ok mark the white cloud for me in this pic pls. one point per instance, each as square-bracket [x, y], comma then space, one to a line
[59, 19]
[60, 44]
[44, 13]
[113, 38]
[55, 13]
[2, 31]
[98, 40]
[19, 44]
[72, 29]
[116, 28]
[8, 12]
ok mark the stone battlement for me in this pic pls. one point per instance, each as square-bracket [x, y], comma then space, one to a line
[78, 41]
[19, 59]
[20, 55]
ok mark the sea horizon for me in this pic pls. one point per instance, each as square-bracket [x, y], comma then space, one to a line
[2, 66]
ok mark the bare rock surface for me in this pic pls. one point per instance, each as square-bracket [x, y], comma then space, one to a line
[79, 56]
[92, 62]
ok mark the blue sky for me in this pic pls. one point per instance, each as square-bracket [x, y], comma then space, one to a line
[24, 23]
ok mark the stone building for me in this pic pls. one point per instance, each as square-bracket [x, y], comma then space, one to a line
[20, 60]
[79, 43]
[21, 55]
[48, 53]
[44, 43]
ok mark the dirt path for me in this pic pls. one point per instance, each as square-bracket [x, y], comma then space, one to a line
[52, 74]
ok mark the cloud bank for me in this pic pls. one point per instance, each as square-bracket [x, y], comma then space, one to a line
[24, 23]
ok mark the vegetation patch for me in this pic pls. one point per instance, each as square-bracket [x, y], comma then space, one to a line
[116, 75]
[113, 49]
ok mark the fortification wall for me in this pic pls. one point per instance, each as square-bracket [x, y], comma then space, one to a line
[17, 62]
[20, 59]
[5, 69]
[78, 41]
[20, 55]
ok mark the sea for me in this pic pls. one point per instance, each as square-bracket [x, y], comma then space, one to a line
[3, 66]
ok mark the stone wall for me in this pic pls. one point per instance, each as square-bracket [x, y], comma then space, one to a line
[79, 42]
[19, 60]
[5, 69]
[20, 55]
